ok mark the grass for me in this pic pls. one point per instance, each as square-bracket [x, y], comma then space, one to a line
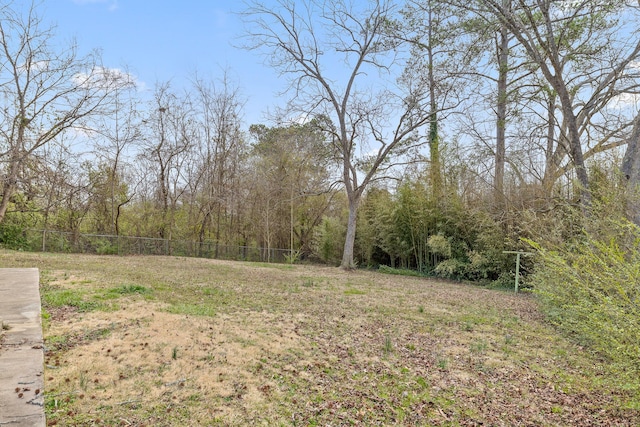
[173, 341]
[399, 271]
[130, 289]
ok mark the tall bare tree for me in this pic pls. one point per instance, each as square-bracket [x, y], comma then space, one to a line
[581, 51]
[44, 91]
[330, 51]
[170, 134]
[218, 108]
[442, 60]
[502, 53]
[117, 134]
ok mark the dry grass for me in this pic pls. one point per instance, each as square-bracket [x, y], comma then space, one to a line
[163, 341]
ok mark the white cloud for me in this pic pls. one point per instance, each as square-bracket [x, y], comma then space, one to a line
[111, 4]
[625, 100]
[628, 100]
[302, 119]
[34, 66]
[107, 78]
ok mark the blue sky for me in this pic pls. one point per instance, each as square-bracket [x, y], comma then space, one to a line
[163, 40]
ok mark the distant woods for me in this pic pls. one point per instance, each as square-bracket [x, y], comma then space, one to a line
[430, 135]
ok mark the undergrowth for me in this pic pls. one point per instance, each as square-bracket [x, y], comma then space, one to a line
[590, 288]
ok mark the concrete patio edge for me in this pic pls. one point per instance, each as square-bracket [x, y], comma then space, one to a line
[21, 349]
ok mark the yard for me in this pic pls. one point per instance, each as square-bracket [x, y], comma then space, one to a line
[166, 341]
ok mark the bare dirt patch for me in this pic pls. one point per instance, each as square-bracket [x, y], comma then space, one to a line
[143, 357]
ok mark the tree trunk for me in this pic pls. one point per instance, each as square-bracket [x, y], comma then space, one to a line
[9, 187]
[551, 164]
[575, 147]
[347, 254]
[434, 141]
[631, 170]
[501, 113]
[8, 190]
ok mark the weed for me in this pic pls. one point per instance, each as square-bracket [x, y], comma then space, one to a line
[56, 341]
[208, 358]
[292, 257]
[130, 289]
[422, 383]
[96, 334]
[442, 363]
[213, 292]
[421, 309]
[84, 381]
[561, 352]
[352, 291]
[478, 346]
[174, 353]
[388, 345]
[46, 317]
[295, 289]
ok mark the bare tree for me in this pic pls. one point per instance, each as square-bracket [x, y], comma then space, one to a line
[221, 145]
[502, 53]
[331, 51]
[579, 49]
[117, 133]
[170, 135]
[44, 92]
[444, 60]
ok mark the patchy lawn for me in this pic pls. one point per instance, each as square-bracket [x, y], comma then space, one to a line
[163, 341]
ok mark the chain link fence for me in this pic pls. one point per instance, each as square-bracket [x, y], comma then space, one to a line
[61, 241]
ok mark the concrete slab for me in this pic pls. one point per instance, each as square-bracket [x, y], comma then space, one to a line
[21, 349]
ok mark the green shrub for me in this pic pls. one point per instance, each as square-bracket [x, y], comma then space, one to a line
[329, 239]
[13, 236]
[440, 245]
[591, 288]
[105, 247]
[506, 280]
[398, 271]
[450, 268]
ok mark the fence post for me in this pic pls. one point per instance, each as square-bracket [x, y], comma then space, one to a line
[518, 254]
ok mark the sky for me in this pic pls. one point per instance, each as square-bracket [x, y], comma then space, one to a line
[170, 40]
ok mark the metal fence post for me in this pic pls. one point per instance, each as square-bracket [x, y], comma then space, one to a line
[518, 254]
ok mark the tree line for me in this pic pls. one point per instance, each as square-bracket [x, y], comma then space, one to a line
[429, 135]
